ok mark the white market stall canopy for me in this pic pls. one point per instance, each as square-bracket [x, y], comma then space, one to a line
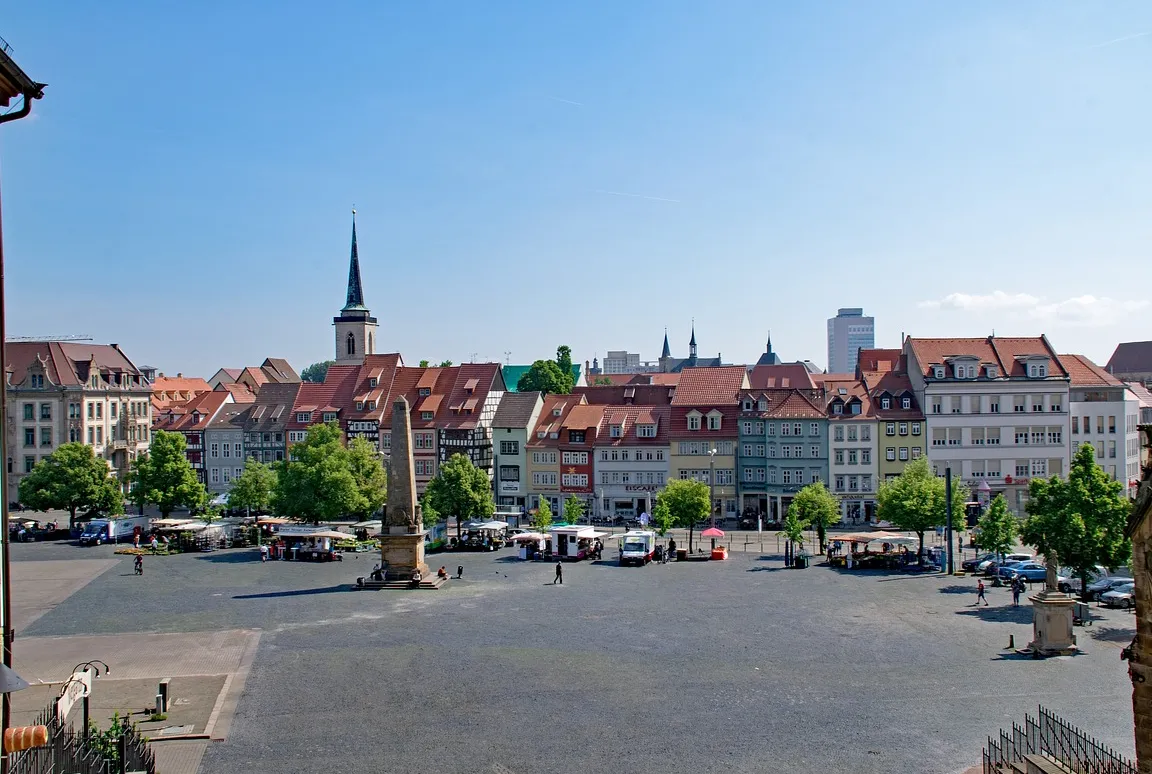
[872, 537]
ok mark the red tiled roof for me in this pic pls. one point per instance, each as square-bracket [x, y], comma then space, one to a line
[205, 406]
[785, 376]
[548, 422]
[240, 392]
[257, 375]
[631, 394]
[786, 403]
[1085, 373]
[1011, 350]
[710, 386]
[1130, 357]
[895, 385]
[1141, 392]
[583, 417]
[1002, 352]
[847, 390]
[431, 403]
[428, 378]
[67, 364]
[627, 418]
[880, 360]
[335, 390]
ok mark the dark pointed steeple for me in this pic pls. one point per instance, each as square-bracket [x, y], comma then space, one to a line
[692, 343]
[667, 351]
[355, 287]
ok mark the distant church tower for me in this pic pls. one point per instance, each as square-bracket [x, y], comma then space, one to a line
[355, 326]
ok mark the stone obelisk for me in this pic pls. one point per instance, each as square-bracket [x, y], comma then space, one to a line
[402, 539]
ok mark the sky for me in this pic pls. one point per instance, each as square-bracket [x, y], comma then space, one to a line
[530, 174]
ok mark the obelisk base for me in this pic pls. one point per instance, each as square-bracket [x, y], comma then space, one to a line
[1052, 625]
[403, 553]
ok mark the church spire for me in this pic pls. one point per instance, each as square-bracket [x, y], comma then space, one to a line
[355, 287]
[667, 351]
[692, 341]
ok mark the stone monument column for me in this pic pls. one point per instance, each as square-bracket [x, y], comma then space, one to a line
[1052, 618]
[402, 538]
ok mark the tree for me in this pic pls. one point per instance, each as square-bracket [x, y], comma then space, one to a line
[462, 490]
[564, 363]
[371, 478]
[545, 376]
[211, 513]
[72, 479]
[602, 381]
[1080, 521]
[793, 526]
[445, 363]
[573, 509]
[423, 364]
[688, 501]
[316, 482]
[661, 517]
[815, 506]
[998, 527]
[164, 477]
[428, 514]
[915, 500]
[543, 518]
[252, 489]
[316, 372]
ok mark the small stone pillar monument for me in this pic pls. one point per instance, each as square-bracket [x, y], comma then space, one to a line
[402, 536]
[1052, 619]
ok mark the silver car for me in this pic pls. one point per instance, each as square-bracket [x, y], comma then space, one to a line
[1121, 596]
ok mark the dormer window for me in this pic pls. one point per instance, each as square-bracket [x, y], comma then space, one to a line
[303, 416]
[557, 411]
[426, 416]
[694, 420]
[424, 392]
[37, 381]
[359, 405]
[540, 434]
[329, 416]
[854, 408]
[905, 403]
[616, 431]
[195, 418]
[645, 431]
[575, 436]
[937, 372]
[714, 419]
[747, 405]
[554, 434]
[837, 408]
[885, 403]
[991, 372]
[373, 382]
[762, 405]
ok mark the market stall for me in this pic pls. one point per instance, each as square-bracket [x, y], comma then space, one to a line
[311, 544]
[870, 550]
[574, 542]
[482, 536]
[531, 545]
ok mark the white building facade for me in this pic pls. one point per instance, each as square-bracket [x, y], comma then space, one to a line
[631, 460]
[997, 411]
[1105, 414]
[849, 332]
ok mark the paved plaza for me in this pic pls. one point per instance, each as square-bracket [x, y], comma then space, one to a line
[737, 666]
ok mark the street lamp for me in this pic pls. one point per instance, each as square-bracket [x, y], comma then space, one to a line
[712, 486]
[94, 665]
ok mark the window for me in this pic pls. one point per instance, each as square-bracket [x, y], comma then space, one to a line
[575, 458]
[615, 431]
[29, 463]
[359, 405]
[509, 447]
[771, 451]
[748, 474]
[771, 428]
[694, 422]
[91, 410]
[46, 437]
[1039, 467]
[994, 405]
[839, 456]
[866, 433]
[29, 412]
[915, 428]
[903, 428]
[853, 457]
[797, 451]
[813, 429]
[1111, 449]
[1018, 404]
[837, 408]
[1056, 436]
[853, 434]
[785, 429]
[227, 476]
[111, 410]
[905, 403]
[1039, 405]
[91, 436]
[890, 428]
[885, 403]
[714, 422]
[214, 449]
[38, 381]
[866, 483]
[747, 404]
[73, 410]
[839, 483]
[787, 451]
[576, 436]
[1075, 425]
[645, 431]
[30, 436]
[46, 411]
[99, 410]
[659, 455]
[916, 450]
[853, 484]
[329, 416]
[890, 454]
[787, 476]
[813, 451]
[303, 416]
[1111, 420]
[215, 475]
[903, 453]
[937, 406]
[838, 433]
[1054, 403]
[746, 428]
[747, 450]
[865, 456]
[938, 372]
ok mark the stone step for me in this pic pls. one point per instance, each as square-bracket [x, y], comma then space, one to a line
[432, 583]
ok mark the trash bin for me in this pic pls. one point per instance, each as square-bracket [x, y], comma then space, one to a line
[801, 561]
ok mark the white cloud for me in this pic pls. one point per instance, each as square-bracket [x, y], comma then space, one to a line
[997, 299]
[1078, 312]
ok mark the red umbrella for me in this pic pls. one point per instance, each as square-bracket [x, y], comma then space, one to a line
[712, 532]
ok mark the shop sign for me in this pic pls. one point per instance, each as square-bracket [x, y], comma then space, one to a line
[509, 487]
[79, 685]
[641, 488]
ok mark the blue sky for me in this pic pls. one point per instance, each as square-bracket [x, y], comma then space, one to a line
[184, 187]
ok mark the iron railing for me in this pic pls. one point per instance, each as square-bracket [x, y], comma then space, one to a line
[69, 752]
[1052, 737]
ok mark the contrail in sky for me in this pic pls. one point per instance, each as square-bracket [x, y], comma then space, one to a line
[638, 196]
[1120, 40]
[567, 101]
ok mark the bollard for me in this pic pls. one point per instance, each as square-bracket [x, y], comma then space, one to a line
[162, 698]
[1011, 643]
[160, 704]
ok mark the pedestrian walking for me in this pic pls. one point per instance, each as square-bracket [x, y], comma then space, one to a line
[139, 564]
[155, 544]
[263, 552]
[980, 593]
[1015, 593]
[136, 539]
[559, 574]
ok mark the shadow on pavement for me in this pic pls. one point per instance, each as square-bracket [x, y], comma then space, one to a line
[954, 589]
[296, 592]
[1111, 633]
[235, 556]
[1006, 614]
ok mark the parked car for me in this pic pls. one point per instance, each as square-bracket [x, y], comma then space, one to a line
[970, 565]
[1007, 570]
[1032, 572]
[1101, 587]
[1071, 583]
[1120, 596]
[993, 567]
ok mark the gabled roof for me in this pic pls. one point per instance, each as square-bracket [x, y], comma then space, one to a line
[257, 375]
[336, 390]
[1141, 392]
[846, 390]
[517, 409]
[879, 360]
[1129, 358]
[896, 386]
[628, 394]
[240, 392]
[710, 386]
[548, 422]
[786, 403]
[786, 376]
[68, 364]
[278, 370]
[272, 408]
[1085, 373]
[1005, 353]
[627, 418]
[204, 406]
[229, 417]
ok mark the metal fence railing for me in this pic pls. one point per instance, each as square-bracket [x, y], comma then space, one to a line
[1055, 738]
[69, 751]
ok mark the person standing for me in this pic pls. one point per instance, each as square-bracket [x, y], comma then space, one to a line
[980, 593]
[263, 552]
[155, 544]
[559, 574]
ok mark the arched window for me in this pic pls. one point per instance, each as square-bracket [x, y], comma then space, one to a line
[351, 345]
[371, 346]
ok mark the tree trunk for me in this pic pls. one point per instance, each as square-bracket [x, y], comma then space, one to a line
[71, 517]
[822, 535]
[920, 553]
[691, 527]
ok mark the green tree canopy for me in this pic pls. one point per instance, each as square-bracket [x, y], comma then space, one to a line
[316, 372]
[998, 527]
[915, 500]
[164, 477]
[423, 364]
[253, 488]
[316, 482]
[371, 478]
[793, 526]
[445, 363]
[564, 363]
[816, 507]
[688, 501]
[1080, 521]
[542, 519]
[662, 520]
[462, 490]
[545, 376]
[573, 509]
[428, 515]
[72, 479]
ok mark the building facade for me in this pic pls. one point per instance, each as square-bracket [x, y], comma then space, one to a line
[853, 462]
[631, 459]
[64, 392]
[1106, 415]
[900, 435]
[515, 417]
[997, 410]
[783, 447]
[543, 455]
[703, 431]
[190, 420]
[224, 447]
[849, 332]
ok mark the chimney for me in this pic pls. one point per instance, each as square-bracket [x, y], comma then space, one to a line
[179, 375]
